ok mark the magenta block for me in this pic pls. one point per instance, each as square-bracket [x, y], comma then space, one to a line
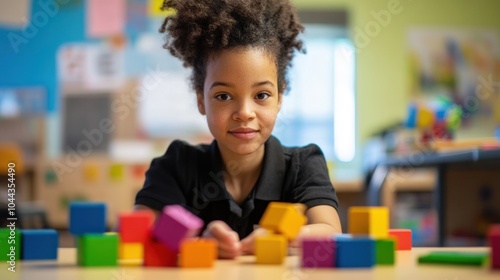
[494, 241]
[174, 224]
[318, 252]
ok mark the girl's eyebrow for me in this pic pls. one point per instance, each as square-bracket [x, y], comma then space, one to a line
[257, 84]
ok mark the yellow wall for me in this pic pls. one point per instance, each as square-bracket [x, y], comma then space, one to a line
[382, 69]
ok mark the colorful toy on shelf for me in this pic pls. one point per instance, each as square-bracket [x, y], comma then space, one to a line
[435, 119]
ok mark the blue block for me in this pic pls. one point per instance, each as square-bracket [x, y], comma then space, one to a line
[355, 252]
[87, 217]
[39, 244]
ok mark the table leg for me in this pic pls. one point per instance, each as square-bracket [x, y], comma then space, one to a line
[440, 202]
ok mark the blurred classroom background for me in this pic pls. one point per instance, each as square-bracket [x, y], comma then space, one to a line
[88, 97]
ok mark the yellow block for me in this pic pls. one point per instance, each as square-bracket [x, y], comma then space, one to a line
[283, 218]
[130, 253]
[373, 221]
[271, 249]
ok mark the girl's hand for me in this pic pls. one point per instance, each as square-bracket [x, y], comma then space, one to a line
[248, 243]
[229, 245]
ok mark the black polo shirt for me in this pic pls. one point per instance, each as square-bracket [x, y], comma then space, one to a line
[193, 176]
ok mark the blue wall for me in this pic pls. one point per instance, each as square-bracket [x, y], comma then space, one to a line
[28, 57]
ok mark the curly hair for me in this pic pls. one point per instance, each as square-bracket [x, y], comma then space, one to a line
[200, 29]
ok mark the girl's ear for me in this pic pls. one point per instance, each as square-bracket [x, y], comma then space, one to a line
[201, 103]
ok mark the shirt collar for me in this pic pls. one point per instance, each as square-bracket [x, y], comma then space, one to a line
[270, 183]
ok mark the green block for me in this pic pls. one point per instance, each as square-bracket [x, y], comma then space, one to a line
[98, 249]
[10, 239]
[384, 251]
[454, 258]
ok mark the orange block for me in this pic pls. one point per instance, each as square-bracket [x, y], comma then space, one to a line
[198, 252]
[403, 238]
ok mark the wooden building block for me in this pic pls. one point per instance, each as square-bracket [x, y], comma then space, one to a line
[10, 244]
[355, 252]
[174, 224]
[283, 218]
[87, 218]
[454, 258]
[39, 244]
[271, 249]
[494, 243]
[385, 251]
[134, 227]
[98, 249]
[318, 252]
[130, 253]
[198, 252]
[403, 237]
[158, 255]
[373, 221]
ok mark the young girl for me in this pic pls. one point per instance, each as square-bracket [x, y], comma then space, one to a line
[239, 52]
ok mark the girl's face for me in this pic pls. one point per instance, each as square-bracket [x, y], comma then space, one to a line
[240, 99]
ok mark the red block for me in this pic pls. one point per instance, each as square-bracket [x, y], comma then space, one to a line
[157, 254]
[494, 241]
[403, 238]
[135, 226]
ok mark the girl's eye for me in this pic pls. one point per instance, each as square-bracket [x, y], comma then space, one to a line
[262, 95]
[223, 97]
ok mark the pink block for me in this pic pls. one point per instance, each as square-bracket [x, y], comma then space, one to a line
[174, 224]
[494, 241]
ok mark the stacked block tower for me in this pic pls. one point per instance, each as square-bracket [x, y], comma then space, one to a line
[95, 247]
[140, 240]
[283, 222]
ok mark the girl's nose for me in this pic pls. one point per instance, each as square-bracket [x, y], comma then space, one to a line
[244, 111]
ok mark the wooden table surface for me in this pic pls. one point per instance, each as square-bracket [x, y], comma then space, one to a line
[245, 268]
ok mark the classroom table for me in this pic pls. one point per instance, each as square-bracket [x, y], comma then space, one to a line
[444, 162]
[245, 268]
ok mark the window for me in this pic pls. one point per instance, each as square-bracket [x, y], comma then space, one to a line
[320, 106]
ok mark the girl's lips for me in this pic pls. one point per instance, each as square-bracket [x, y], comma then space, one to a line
[244, 134]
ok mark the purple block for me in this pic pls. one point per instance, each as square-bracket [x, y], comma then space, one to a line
[174, 224]
[318, 252]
